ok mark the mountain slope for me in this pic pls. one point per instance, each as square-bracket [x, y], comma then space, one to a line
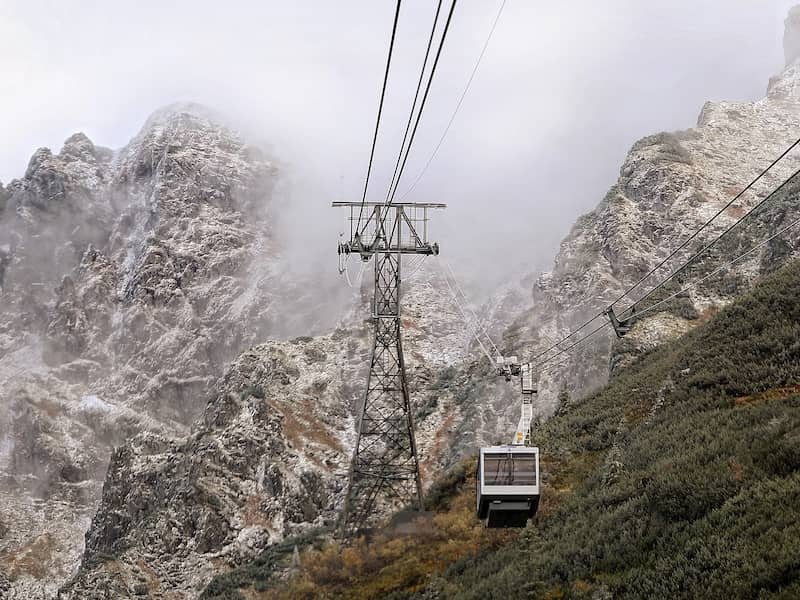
[267, 460]
[131, 281]
[697, 481]
[117, 265]
[669, 184]
[681, 479]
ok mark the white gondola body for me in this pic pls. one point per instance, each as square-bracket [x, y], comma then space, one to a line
[508, 485]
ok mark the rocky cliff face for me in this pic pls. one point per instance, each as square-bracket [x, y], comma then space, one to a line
[669, 185]
[130, 280]
[269, 457]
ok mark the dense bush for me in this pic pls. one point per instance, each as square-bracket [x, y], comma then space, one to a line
[256, 391]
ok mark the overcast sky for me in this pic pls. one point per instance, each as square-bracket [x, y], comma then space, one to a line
[563, 91]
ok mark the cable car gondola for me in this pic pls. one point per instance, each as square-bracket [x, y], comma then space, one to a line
[508, 485]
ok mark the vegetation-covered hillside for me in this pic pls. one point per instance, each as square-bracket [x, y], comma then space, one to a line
[680, 479]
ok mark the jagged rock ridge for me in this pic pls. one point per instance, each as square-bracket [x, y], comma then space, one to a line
[129, 282]
[669, 185]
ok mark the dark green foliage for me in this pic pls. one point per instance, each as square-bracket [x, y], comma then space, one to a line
[256, 391]
[704, 438]
[445, 488]
[260, 571]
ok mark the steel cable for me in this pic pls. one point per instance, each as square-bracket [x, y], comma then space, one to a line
[424, 99]
[458, 105]
[380, 111]
[416, 97]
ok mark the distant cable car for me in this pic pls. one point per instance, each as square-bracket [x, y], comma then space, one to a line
[508, 485]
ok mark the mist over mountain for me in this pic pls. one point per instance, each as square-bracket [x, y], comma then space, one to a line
[181, 373]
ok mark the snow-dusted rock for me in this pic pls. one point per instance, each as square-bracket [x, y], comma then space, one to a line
[669, 185]
[175, 272]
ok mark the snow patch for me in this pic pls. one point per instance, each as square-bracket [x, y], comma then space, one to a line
[93, 404]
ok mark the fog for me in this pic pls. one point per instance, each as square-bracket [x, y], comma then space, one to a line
[563, 91]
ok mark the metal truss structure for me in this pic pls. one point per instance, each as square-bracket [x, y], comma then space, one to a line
[384, 472]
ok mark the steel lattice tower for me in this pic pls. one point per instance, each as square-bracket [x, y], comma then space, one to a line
[384, 471]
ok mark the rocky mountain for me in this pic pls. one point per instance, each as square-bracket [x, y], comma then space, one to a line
[130, 280]
[269, 457]
[174, 512]
[669, 185]
[678, 479]
[149, 339]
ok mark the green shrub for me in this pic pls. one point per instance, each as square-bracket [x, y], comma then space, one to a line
[705, 502]
[256, 391]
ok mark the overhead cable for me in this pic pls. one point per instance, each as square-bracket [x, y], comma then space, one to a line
[717, 270]
[716, 239]
[571, 346]
[424, 100]
[464, 316]
[416, 97]
[565, 338]
[478, 322]
[380, 110]
[458, 105]
[674, 295]
[683, 245]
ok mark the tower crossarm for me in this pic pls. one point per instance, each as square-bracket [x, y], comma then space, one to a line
[400, 228]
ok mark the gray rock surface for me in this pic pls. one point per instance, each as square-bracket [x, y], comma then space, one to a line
[669, 185]
[130, 280]
[268, 458]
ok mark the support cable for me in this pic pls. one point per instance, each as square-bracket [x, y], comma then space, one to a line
[571, 346]
[688, 240]
[478, 322]
[414, 269]
[416, 97]
[424, 100]
[380, 110]
[565, 338]
[464, 316]
[706, 224]
[347, 272]
[694, 284]
[361, 273]
[718, 269]
[458, 105]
